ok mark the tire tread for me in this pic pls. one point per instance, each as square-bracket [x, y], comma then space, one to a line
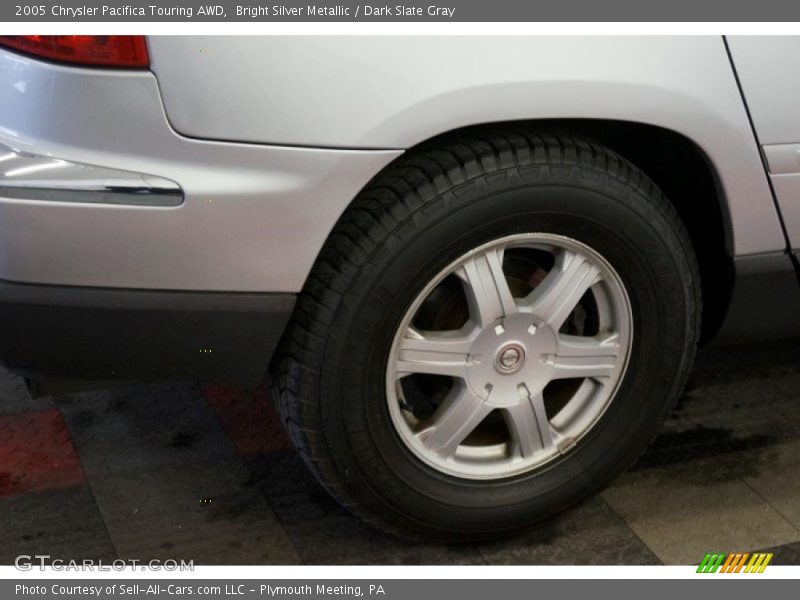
[409, 185]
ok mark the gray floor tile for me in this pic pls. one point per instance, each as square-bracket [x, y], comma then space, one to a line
[15, 398]
[683, 511]
[739, 398]
[787, 554]
[774, 474]
[63, 523]
[590, 534]
[325, 533]
[210, 513]
[142, 428]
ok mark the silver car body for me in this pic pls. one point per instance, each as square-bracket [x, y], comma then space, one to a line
[271, 138]
[308, 121]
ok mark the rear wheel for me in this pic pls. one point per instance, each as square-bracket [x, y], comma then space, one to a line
[496, 327]
[516, 363]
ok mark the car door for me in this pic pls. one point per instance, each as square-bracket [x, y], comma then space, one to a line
[768, 68]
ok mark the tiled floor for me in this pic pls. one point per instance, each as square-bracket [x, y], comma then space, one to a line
[180, 471]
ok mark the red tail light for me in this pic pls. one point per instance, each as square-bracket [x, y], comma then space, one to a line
[128, 51]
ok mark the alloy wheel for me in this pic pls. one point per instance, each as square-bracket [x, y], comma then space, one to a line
[509, 356]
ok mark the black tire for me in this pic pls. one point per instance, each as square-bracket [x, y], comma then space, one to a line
[422, 212]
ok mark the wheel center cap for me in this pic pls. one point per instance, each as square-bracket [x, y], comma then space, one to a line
[508, 353]
[510, 358]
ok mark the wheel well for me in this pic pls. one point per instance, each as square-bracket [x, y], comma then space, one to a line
[683, 172]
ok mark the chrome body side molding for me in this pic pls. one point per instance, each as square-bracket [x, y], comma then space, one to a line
[25, 176]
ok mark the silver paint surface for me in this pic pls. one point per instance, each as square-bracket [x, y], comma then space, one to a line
[310, 121]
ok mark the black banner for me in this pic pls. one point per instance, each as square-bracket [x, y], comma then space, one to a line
[393, 589]
[407, 11]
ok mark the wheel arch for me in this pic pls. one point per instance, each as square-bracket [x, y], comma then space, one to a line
[689, 179]
[681, 169]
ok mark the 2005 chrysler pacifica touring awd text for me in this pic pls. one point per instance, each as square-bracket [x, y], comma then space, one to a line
[476, 268]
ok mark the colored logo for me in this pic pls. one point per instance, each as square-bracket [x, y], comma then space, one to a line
[735, 563]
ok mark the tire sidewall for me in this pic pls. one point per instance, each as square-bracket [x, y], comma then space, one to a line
[614, 219]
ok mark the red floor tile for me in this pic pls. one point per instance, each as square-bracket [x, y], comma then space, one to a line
[36, 453]
[249, 418]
